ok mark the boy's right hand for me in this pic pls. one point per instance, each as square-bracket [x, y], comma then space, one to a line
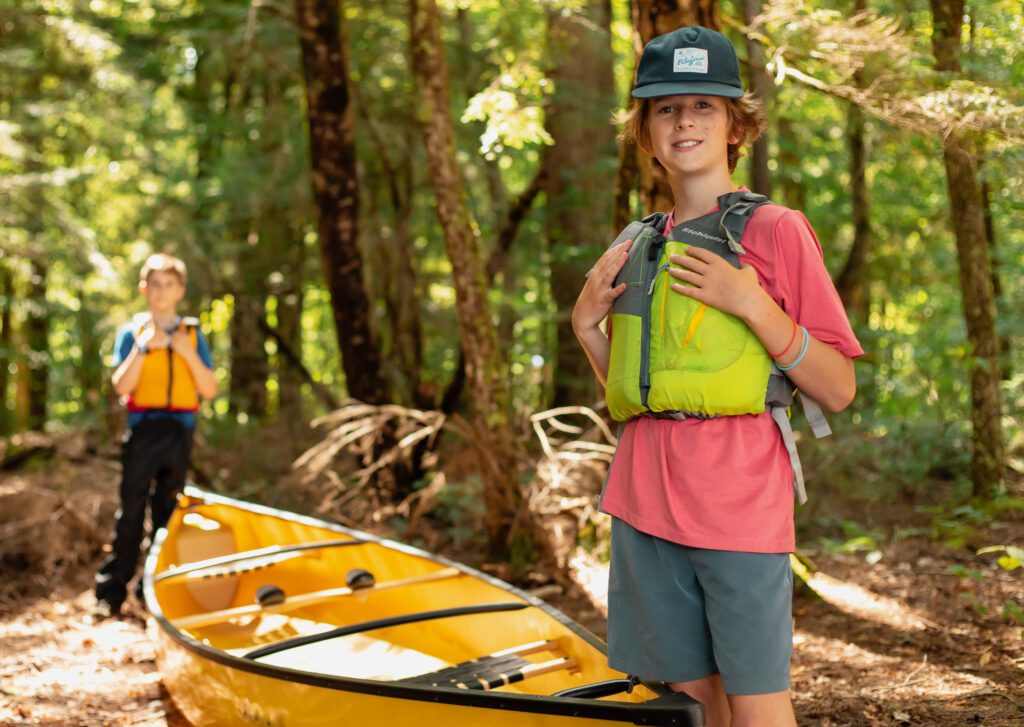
[596, 298]
[151, 338]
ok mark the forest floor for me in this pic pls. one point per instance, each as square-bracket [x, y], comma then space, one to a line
[924, 634]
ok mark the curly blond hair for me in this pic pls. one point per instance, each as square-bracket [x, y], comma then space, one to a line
[747, 112]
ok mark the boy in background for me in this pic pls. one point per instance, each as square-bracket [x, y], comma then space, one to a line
[163, 368]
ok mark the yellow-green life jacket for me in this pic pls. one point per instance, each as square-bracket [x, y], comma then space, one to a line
[675, 357]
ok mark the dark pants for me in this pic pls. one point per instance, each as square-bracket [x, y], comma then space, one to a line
[155, 451]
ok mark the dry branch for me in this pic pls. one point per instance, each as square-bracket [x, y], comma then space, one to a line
[824, 50]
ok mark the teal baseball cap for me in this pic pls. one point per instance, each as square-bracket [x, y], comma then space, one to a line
[689, 60]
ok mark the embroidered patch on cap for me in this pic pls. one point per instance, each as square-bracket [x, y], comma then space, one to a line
[690, 60]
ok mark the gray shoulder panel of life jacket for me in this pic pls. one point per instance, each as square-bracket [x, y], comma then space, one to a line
[739, 208]
[633, 231]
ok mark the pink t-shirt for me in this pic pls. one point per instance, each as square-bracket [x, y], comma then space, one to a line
[726, 483]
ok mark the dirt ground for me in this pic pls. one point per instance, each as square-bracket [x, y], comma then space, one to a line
[923, 636]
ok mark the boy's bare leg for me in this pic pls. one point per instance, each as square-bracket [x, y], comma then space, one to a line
[762, 710]
[709, 692]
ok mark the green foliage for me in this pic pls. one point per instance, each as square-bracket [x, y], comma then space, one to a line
[856, 539]
[127, 128]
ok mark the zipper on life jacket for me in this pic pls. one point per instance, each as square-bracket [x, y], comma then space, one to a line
[170, 376]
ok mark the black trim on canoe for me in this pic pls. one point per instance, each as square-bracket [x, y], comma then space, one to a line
[670, 708]
[380, 623]
[255, 554]
[596, 690]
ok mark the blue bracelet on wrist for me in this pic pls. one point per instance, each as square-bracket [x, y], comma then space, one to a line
[803, 352]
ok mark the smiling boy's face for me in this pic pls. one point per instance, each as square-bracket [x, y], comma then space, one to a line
[163, 291]
[690, 134]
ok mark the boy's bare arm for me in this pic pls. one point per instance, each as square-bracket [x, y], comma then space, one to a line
[205, 378]
[126, 376]
[594, 304]
[596, 346]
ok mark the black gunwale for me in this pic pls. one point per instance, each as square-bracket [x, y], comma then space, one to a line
[668, 709]
[382, 623]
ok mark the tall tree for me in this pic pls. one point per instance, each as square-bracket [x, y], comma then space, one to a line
[760, 84]
[988, 457]
[37, 346]
[6, 345]
[486, 369]
[851, 282]
[333, 158]
[579, 198]
[1005, 366]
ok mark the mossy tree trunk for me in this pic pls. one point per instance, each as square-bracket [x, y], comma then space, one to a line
[988, 456]
[486, 369]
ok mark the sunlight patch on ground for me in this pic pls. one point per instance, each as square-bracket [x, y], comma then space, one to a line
[52, 675]
[857, 601]
[592, 576]
[832, 660]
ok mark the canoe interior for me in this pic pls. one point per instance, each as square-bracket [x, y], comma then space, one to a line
[201, 530]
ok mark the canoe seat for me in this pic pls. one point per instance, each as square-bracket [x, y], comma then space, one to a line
[495, 670]
[486, 673]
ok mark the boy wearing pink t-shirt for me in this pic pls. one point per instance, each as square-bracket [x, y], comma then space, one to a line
[700, 585]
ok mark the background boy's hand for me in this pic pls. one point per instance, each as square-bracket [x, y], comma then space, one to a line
[715, 282]
[597, 296]
[152, 338]
[180, 342]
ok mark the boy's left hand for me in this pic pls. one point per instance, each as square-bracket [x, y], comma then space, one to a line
[715, 282]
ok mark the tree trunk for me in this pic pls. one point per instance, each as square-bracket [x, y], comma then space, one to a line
[37, 348]
[579, 196]
[289, 323]
[851, 283]
[988, 457]
[333, 158]
[90, 365]
[625, 185]
[652, 18]
[1005, 358]
[793, 193]
[250, 366]
[6, 348]
[761, 85]
[486, 370]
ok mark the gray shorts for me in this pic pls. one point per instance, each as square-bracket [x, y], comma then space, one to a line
[677, 613]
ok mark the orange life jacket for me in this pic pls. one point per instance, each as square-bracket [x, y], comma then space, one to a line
[166, 381]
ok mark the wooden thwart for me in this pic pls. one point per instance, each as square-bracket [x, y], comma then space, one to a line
[200, 620]
[211, 564]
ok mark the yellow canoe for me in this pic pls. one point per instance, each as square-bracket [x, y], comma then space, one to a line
[263, 617]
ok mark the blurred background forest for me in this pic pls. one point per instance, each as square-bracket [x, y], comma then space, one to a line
[297, 157]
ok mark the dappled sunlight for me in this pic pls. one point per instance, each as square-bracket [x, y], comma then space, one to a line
[825, 659]
[55, 674]
[592, 576]
[858, 601]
